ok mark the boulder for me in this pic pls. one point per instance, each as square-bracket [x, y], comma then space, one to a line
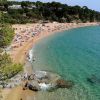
[33, 88]
[64, 84]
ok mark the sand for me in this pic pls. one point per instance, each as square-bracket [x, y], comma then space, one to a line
[19, 94]
[20, 48]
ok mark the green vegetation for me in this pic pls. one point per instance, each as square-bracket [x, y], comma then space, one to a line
[7, 68]
[6, 35]
[28, 12]
[1, 50]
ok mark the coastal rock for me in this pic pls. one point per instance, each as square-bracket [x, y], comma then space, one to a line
[33, 85]
[31, 77]
[64, 84]
[33, 88]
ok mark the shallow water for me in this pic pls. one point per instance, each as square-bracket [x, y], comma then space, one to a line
[75, 55]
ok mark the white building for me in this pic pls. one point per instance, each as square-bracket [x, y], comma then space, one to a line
[15, 7]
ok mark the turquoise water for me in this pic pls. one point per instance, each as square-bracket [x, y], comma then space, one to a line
[75, 55]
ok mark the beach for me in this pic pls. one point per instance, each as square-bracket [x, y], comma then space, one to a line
[26, 37]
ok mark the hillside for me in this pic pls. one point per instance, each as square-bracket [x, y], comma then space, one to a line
[28, 12]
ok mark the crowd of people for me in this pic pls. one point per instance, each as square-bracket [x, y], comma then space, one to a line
[28, 34]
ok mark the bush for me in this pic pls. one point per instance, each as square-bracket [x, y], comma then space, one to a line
[7, 68]
[6, 35]
[9, 71]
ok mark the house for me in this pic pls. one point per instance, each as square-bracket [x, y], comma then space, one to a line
[15, 7]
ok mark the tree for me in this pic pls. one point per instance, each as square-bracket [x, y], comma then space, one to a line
[6, 6]
[6, 35]
[39, 4]
[24, 4]
[3, 1]
[46, 11]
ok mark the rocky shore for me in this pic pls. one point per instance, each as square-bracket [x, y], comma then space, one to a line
[37, 81]
[43, 80]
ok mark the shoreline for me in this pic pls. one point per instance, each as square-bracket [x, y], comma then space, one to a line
[29, 68]
[22, 52]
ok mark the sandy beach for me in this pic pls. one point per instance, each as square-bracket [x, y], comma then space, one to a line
[25, 38]
[27, 35]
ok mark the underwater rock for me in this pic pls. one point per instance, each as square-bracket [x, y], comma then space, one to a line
[64, 84]
[93, 79]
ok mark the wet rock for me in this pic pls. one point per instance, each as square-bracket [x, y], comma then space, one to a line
[33, 88]
[47, 87]
[64, 84]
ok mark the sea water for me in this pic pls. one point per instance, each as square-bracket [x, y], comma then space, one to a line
[75, 55]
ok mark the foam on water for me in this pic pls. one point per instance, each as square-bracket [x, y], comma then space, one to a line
[30, 55]
[44, 86]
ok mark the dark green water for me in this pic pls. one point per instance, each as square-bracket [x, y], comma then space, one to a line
[75, 55]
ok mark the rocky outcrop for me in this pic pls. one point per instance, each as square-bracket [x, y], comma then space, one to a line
[64, 84]
[38, 81]
[43, 80]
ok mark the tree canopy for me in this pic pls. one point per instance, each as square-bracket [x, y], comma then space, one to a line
[7, 68]
[54, 11]
[6, 35]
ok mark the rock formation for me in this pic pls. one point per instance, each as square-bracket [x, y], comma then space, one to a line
[64, 84]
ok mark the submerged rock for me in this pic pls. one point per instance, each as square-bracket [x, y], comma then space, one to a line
[64, 84]
[93, 79]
